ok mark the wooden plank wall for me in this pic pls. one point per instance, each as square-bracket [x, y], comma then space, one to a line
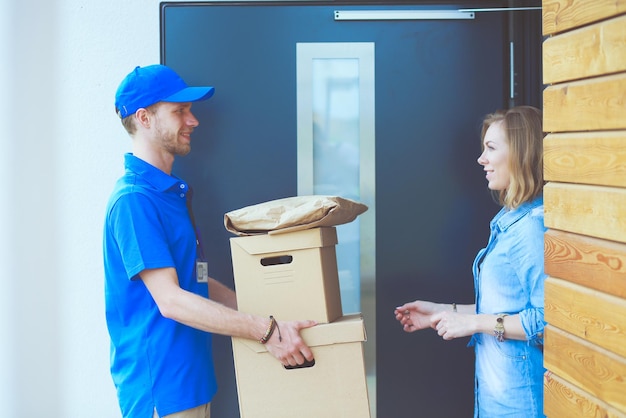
[584, 70]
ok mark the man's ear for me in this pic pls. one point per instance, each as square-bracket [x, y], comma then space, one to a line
[143, 117]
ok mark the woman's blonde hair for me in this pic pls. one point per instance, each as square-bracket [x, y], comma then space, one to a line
[523, 130]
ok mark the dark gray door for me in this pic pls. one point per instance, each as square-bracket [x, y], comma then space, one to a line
[435, 79]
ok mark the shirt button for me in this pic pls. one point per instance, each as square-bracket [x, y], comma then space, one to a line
[182, 186]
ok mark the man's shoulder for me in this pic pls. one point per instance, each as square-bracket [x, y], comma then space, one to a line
[130, 190]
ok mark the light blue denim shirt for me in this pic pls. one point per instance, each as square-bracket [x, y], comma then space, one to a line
[509, 278]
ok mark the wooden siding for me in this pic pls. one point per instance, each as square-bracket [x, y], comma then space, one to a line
[586, 157]
[584, 104]
[561, 15]
[597, 211]
[592, 104]
[562, 399]
[591, 262]
[596, 371]
[589, 314]
[586, 52]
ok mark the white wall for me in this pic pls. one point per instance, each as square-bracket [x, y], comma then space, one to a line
[62, 147]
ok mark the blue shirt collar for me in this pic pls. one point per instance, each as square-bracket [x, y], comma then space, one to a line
[507, 217]
[160, 180]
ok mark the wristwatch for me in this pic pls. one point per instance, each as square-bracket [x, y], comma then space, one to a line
[498, 330]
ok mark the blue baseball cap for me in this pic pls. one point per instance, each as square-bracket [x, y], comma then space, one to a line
[145, 86]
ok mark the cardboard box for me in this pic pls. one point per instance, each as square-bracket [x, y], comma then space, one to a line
[291, 275]
[334, 387]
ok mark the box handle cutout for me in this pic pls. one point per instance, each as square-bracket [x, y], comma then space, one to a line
[274, 261]
[304, 365]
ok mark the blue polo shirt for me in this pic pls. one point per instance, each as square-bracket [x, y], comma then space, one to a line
[155, 361]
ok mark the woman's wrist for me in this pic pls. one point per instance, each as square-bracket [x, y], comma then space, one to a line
[442, 307]
[485, 323]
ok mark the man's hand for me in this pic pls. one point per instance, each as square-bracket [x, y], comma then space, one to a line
[287, 345]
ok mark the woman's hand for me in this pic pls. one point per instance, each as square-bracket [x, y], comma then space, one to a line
[416, 315]
[451, 325]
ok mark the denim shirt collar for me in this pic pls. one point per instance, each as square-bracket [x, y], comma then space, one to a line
[506, 217]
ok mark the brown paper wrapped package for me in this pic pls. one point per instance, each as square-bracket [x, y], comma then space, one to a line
[292, 214]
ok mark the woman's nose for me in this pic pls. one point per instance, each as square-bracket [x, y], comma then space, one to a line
[481, 159]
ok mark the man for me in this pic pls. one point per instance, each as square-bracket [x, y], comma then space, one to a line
[158, 311]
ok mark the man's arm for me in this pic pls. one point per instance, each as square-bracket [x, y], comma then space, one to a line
[222, 294]
[198, 312]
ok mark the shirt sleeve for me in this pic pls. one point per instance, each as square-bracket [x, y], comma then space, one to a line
[528, 255]
[140, 234]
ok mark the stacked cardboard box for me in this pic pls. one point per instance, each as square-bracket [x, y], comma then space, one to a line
[294, 276]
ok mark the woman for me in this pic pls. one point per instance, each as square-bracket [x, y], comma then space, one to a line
[506, 322]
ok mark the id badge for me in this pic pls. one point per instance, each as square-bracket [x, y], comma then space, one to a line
[202, 271]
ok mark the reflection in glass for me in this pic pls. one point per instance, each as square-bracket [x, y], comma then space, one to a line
[336, 159]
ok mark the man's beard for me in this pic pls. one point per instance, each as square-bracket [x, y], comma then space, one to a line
[169, 142]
